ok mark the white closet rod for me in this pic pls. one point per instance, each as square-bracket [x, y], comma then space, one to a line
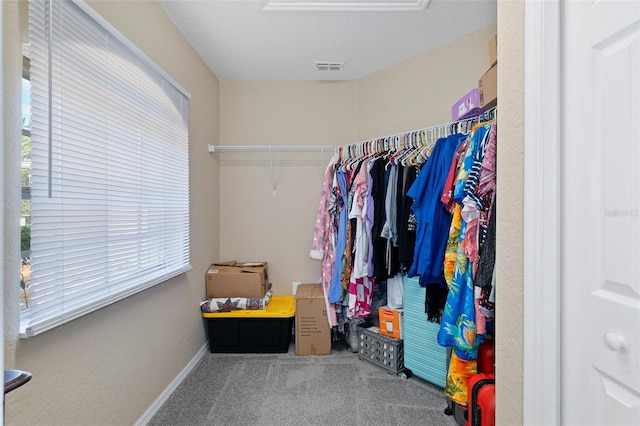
[271, 148]
[353, 149]
[426, 135]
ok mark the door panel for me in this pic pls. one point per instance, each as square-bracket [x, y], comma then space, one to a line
[601, 213]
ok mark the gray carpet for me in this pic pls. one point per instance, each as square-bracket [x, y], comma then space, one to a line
[285, 389]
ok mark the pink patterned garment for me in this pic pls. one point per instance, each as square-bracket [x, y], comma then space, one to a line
[487, 182]
[360, 297]
[323, 247]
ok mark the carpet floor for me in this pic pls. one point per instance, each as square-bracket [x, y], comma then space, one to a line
[285, 389]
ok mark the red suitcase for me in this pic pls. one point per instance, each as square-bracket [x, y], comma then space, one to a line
[481, 409]
[486, 357]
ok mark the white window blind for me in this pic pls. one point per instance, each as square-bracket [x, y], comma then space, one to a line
[110, 170]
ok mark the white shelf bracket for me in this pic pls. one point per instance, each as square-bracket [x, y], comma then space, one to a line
[220, 149]
[273, 176]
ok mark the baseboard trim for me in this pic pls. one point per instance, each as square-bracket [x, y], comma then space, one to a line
[146, 417]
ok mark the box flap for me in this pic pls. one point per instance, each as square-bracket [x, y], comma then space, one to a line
[255, 268]
[235, 279]
[309, 291]
[232, 266]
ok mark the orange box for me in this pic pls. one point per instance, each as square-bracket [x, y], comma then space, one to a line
[391, 322]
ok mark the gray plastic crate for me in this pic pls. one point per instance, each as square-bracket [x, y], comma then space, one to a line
[380, 350]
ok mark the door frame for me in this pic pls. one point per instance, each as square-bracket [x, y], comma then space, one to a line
[542, 244]
[2, 225]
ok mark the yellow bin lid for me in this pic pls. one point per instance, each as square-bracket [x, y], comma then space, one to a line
[278, 307]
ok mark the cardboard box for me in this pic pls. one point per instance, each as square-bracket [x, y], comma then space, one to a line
[313, 334]
[466, 106]
[391, 322]
[238, 279]
[493, 50]
[488, 88]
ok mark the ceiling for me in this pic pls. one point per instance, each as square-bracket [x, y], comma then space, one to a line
[260, 40]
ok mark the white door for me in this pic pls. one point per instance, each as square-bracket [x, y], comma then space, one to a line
[600, 219]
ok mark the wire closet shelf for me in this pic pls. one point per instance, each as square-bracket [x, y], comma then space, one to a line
[271, 148]
[424, 138]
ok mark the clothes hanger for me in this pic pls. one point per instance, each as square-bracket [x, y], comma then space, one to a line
[432, 137]
[413, 147]
[400, 146]
[359, 149]
[391, 153]
[372, 149]
[420, 145]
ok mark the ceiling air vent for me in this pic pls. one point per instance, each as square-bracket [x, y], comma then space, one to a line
[329, 66]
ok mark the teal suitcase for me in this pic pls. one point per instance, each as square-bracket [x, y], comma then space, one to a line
[423, 356]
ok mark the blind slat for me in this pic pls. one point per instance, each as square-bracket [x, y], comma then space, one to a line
[110, 185]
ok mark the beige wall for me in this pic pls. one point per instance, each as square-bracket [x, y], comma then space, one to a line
[510, 206]
[257, 225]
[109, 367]
[420, 92]
[86, 371]
[407, 96]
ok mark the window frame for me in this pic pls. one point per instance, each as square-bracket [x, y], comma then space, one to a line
[174, 261]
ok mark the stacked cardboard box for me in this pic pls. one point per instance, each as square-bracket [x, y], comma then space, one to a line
[488, 88]
[488, 83]
[493, 50]
[313, 334]
[237, 279]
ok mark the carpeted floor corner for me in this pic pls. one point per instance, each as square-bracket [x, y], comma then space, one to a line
[285, 389]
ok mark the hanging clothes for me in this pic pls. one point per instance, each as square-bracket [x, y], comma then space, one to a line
[358, 213]
[458, 375]
[340, 217]
[462, 326]
[360, 297]
[369, 217]
[432, 219]
[380, 178]
[433, 222]
[389, 229]
[478, 204]
[360, 284]
[323, 247]
[484, 278]
[380, 217]
[407, 222]
[458, 327]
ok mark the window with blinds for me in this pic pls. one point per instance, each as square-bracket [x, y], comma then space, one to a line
[109, 167]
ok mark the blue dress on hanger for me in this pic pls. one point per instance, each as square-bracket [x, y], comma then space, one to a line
[433, 220]
[335, 289]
